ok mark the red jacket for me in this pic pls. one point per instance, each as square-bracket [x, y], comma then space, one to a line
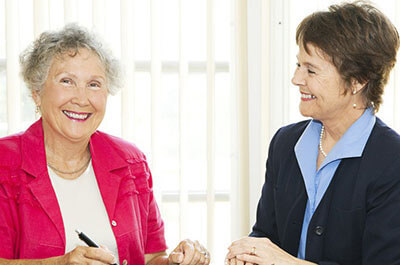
[31, 224]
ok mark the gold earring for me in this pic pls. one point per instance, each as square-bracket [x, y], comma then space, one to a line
[354, 92]
[37, 109]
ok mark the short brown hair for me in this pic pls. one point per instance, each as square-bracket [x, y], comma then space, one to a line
[361, 42]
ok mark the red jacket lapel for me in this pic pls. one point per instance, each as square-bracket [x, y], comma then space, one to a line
[34, 163]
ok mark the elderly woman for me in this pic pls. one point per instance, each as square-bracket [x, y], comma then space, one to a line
[332, 185]
[62, 174]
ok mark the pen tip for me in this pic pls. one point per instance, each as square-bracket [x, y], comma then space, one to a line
[77, 231]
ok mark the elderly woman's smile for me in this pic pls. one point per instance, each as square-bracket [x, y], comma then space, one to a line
[74, 96]
[76, 115]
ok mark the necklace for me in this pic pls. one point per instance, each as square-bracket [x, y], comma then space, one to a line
[70, 172]
[320, 141]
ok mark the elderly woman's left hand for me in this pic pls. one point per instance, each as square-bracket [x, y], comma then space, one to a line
[189, 253]
[253, 250]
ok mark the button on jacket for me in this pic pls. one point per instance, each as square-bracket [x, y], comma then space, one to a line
[31, 224]
[358, 218]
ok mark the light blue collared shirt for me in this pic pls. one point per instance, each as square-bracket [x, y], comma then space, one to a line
[351, 144]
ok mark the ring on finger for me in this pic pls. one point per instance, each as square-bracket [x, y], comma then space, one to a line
[253, 251]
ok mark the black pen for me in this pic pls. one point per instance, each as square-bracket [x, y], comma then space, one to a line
[87, 240]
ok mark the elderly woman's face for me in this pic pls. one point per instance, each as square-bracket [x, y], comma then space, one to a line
[73, 99]
[321, 87]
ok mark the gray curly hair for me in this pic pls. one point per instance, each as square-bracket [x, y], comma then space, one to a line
[36, 60]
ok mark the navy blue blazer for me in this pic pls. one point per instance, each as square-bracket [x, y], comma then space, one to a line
[357, 220]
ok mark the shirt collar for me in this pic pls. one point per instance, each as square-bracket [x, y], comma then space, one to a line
[353, 141]
[351, 144]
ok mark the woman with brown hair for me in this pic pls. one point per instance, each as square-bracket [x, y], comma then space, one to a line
[332, 184]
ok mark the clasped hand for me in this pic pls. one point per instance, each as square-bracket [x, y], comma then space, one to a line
[189, 252]
[253, 250]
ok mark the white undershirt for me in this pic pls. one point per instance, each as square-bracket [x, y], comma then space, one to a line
[82, 208]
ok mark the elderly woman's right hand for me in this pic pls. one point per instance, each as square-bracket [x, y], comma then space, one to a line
[88, 255]
[189, 252]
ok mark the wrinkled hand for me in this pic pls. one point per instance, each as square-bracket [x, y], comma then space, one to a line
[88, 256]
[253, 250]
[189, 253]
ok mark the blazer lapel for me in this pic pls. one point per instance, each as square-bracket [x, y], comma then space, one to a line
[291, 237]
[34, 164]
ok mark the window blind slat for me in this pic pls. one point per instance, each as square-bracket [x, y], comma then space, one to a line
[155, 85]
[240, 163]
[99, 14]
[12, 67]
[183, 75]
[70, 11]
[41, 16]
[210, 125]
[127, 58]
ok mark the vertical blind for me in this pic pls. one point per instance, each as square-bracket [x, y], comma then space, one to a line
[179, 102]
